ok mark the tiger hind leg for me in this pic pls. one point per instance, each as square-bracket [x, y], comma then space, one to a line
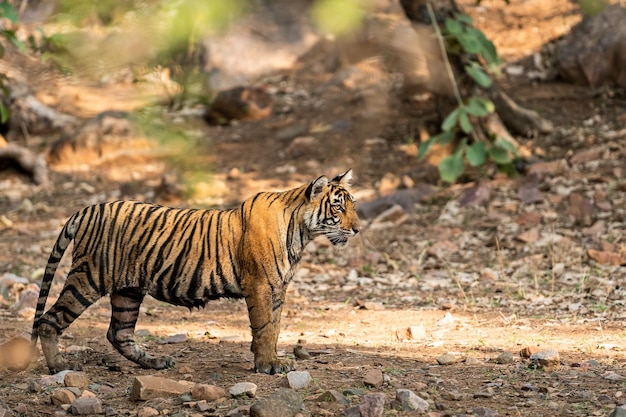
[71, 303]
[125, 310]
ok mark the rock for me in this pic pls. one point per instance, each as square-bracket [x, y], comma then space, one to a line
[448, 359]
[56, 379]
[528, 351]
[487, 393]
[333, 396]
[408, 400]
[176, 338]
[62, 396]
[283, 403]
[548, 360]
[241, 389]
[594, 51]
[298, 379]
[529, 193]
[478, 195]
[147, 412]
[148, 387]
[239, 103]
[504, 358]
[372, 405]
[353, 391]
[373, 378]
[86, 405]
[619, 411]
[485, 412]
[76, 379]
[300, 352]
[207, 392]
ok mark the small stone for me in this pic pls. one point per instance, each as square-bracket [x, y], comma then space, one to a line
[373, 378]
[619, 411]
[283, 403]
[470, 360]
[176, 338]
[86, 405]
[410, 401]
[147, 412]
[372, 405]
[333, 396]
[504, 358]
[207, 392]
[453, 395]
[62, 396]
[56, 379]
[76, 379]
[21, 409]
[353, 391]
[202, 405]
[298, 379]
[488, 393]
[485, 412]
[548, 360]
[448, 359]
[528, 351]
[241, 389]
[148, 387]
[300, 352]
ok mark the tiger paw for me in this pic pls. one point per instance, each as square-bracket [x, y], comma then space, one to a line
[275, 366]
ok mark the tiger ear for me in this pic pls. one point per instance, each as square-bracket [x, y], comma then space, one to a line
[316, 188]
[344, 179]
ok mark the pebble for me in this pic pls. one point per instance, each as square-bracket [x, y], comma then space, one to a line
[504, 358]
[207, 392]
[448, 359]
[86, 405]
[485, 412]
[333, 396]
[372, 405]
[56, 379]
[62, 396]
[283, 403]
[176, 338]
[298, 379]
[487, 393]
[548, 360]
[353, 391]
[300, 352]
[408, 400]
[241, 389]
[619, 411]
[528, 351]
[148, 387]
[147, 412]
[76, 379]
[373, 378]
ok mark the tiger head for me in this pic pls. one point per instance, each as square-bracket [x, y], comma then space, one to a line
[331, 211]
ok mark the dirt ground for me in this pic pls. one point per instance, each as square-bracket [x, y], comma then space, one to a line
[472, 280]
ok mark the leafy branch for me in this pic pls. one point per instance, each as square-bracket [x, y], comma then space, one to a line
[462, 39]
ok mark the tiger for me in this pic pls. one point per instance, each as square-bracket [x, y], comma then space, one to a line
[187, 257]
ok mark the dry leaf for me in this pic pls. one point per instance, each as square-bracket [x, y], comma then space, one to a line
[529, 236]
[606, 258]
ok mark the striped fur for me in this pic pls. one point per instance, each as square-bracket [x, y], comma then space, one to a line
[187, 257]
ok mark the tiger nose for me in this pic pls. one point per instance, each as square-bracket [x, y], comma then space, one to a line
[356, 229]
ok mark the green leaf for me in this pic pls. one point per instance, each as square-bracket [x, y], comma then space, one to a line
[451, 167]
[425, 147]
[499, 155]
[451, 120]
[476, 154]
[4, 113]
[8, 12]
[464, 122]
[480, 76]
[506, 145]
[479, 106]
[446, 137]
[453, 27]
[463, 18]
[470, 43]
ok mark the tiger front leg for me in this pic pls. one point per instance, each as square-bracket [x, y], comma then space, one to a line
[264, 311]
